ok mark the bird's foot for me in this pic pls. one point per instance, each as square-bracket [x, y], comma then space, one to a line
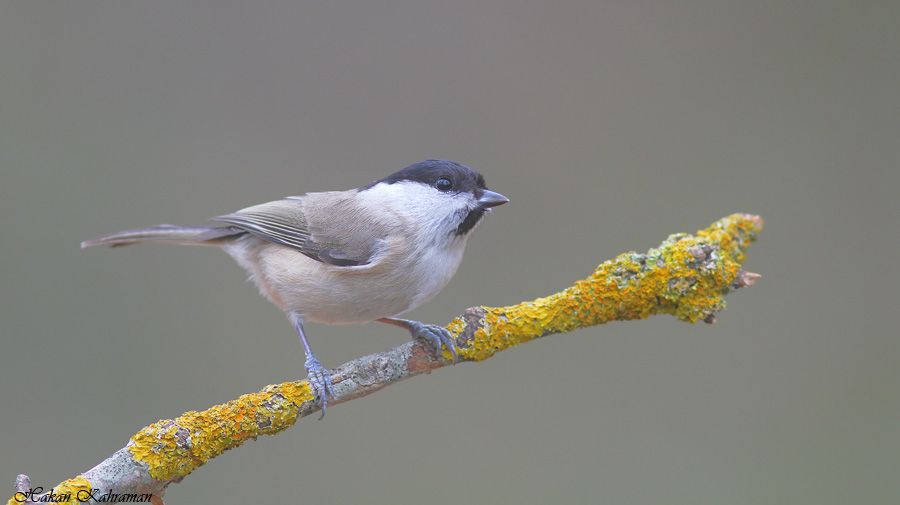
[319, 378]
[436, 336]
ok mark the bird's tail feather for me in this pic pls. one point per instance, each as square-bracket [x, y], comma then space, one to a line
[165, 233]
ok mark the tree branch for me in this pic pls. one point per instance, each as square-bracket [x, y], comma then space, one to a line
[687, 276]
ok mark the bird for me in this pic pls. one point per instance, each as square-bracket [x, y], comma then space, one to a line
[349, 257]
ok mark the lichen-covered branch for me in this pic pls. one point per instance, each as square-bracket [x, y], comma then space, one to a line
[687, 276]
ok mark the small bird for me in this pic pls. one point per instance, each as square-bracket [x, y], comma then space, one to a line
[339, 257]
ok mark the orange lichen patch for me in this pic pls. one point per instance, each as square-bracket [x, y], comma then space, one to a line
[173, 448]
[687, 276]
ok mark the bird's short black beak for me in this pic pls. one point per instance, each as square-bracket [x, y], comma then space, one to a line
[491, 199]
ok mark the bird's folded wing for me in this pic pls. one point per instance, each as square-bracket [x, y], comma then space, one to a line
[285, 222]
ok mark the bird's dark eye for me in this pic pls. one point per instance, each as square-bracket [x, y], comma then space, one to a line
[443, 184]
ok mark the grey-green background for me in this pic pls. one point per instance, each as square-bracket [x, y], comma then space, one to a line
[608, 124]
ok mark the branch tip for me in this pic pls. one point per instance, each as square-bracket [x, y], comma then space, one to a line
[745, 279]
[23, 483]
[750, 278]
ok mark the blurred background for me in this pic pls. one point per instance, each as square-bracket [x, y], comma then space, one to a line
[610, 124]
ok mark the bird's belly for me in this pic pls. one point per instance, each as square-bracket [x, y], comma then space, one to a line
[342, 295]
[346, 302]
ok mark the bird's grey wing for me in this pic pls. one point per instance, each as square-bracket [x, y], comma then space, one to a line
[285, 222]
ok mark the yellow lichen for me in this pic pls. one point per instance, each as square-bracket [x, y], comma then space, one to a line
[687, 276]
[173, 448]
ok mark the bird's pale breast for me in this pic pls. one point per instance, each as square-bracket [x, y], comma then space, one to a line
[393, 284]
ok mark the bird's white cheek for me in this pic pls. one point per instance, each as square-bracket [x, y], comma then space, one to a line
[433, 214]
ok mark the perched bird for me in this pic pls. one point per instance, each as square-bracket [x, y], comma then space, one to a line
[336, 257]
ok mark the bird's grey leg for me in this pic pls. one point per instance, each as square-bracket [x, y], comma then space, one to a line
[318, 376]
[436, 336]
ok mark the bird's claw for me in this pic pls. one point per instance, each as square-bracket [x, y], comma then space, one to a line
[319, 378]
[437, 336]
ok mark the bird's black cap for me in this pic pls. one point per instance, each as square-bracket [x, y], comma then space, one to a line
[428, 172]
